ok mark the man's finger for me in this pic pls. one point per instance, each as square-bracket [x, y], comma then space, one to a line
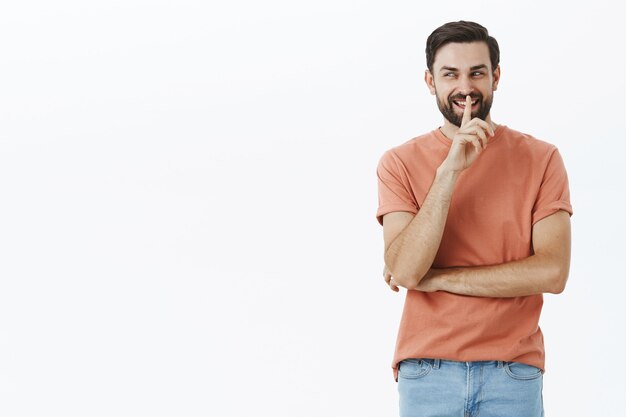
[467, 113]
[483, 124]
[389, 280]
[483, 136]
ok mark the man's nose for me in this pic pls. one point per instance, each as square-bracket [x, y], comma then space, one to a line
[466, 86]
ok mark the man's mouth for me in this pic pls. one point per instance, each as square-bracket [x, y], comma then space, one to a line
[460, 103]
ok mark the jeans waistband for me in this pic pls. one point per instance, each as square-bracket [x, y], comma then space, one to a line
[437, 363]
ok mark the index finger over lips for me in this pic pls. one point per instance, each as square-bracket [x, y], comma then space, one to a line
[467, 113]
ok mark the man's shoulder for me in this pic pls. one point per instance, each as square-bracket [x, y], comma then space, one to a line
[518, 138]
[409, 147]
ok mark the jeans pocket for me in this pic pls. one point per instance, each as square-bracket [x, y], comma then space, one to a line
[522, 371]
[414, 368]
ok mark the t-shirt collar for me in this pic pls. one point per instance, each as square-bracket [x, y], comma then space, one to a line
[444, 139]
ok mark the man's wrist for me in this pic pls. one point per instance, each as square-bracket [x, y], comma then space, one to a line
[443, 171]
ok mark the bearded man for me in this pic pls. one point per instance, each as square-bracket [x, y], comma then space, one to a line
[476, 227]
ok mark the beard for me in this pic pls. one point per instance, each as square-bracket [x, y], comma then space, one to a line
[447, 108]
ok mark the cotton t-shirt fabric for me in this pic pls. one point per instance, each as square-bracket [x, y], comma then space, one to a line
[516, 181]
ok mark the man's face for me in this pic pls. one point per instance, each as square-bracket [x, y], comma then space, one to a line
[462, 69]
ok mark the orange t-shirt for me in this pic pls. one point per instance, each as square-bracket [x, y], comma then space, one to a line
[515, 182]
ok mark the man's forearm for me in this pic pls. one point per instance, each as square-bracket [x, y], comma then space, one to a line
[412, 252]
[533, 275]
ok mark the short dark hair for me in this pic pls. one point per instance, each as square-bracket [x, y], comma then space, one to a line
[462, 32]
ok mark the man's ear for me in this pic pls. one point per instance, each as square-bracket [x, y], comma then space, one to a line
[430, 82]
[496, 77]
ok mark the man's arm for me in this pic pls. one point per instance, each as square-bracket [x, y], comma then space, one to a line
[545, 271]
[412, 242]
[411, 249]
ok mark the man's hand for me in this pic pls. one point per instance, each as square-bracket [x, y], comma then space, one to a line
[472, 132]
[389, 280]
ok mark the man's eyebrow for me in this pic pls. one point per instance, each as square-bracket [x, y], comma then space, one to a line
[474, 68]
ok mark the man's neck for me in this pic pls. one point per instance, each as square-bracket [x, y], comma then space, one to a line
[449, 130]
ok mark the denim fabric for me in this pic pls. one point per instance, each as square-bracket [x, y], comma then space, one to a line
[444, 388]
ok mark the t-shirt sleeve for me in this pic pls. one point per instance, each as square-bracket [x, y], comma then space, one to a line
[394, 190]
[553, 193]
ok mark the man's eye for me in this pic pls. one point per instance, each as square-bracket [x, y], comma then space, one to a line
[448, 73]
[478, 73]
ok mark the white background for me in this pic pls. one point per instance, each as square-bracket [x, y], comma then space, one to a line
[188, 198]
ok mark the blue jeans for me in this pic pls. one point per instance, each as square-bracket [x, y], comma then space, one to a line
[444, 388]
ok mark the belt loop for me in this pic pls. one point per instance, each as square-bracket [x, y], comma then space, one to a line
[499, 364]
[436, 365]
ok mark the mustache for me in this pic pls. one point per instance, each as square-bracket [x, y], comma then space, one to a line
[473, 97]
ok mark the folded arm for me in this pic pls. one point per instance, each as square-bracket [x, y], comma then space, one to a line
[545, 271]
